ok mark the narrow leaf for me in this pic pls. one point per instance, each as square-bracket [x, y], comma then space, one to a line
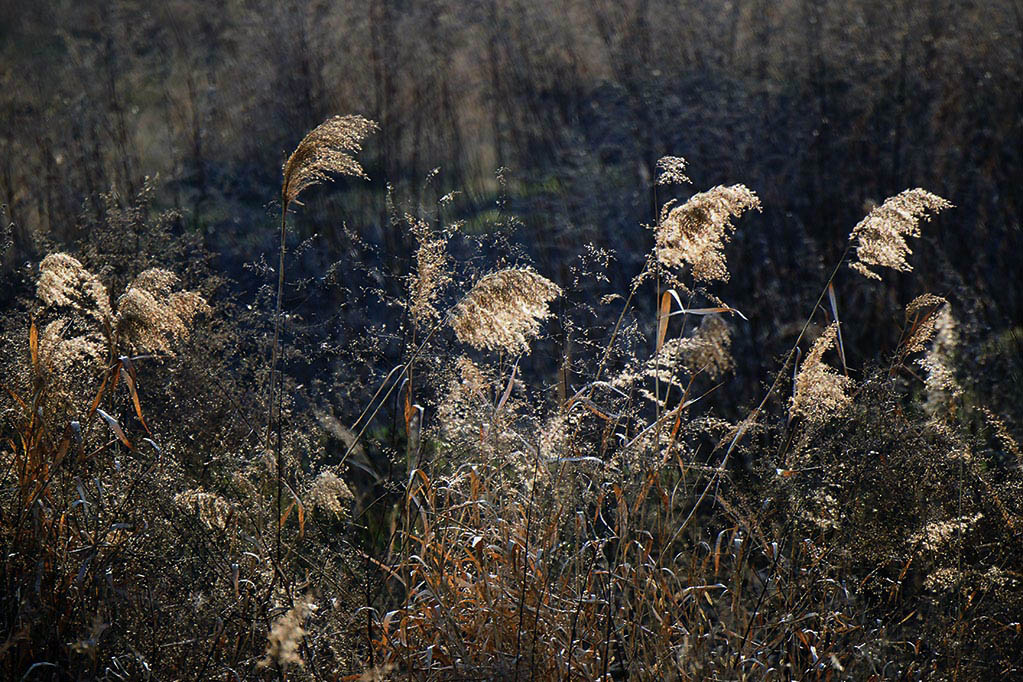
[834, 311]
[33, 344]
[662, 319]
[116, 428]
[130, 383]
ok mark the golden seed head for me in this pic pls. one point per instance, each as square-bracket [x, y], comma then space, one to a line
[881, 235]
[504, 310]
[697, 231]
[820, 391]
[329, 148]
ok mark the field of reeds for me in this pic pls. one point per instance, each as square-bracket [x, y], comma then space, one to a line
[411, 424]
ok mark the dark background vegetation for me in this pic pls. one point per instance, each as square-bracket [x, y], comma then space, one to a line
[140, 134]
[820, 107]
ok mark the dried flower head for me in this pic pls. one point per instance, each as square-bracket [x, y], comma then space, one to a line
[709, 349]
[328, 148]
[150, 316]
[820, 391]
[286, 635]
[59, 354]
[330, 493]
[921, 315]
[503, 311]
[64, 282]
[672, 171]
[881, 235]
[930, 320]
[213, 510]
[696, 232]
[432, 271]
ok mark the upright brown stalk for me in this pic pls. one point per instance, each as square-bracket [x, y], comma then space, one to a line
[327, 150]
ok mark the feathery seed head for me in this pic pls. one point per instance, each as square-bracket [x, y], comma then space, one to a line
[820, 391]
[881, 235]
[432, 272]
[709, 349]
[64, 281]
[672, 171]
[503, 311]
[696, 232]
[328, 148]
[151, 317]
[330, 493]
[286, 635]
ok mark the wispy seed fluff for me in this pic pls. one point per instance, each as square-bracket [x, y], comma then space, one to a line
[286, 635]
[432, 271]
[214, 511]
[672, 171]
[330, 493]
[921, 316]
[504, 310]
[329, 148]
[820, 391]
[151, 317]
[709, 349]
[697, 231]
[881, 235]
[64, 282]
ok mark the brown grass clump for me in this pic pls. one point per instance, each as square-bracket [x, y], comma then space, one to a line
[820, 391]
[503, 311]
[881, 236]
[697, 231]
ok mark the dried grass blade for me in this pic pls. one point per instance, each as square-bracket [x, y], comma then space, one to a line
[33, 344]
[130, 383]
[663, 314]
[116, 428]
[834, 311]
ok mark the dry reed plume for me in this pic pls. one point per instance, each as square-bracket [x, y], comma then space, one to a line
[820, 391]
[672, 171]
[327, 149]
[149, 316]
[504, 310]
[696, 232]
[881, 236]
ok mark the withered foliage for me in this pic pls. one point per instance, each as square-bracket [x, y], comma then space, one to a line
[475, 510]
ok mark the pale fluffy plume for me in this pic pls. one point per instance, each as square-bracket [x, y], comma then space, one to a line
[820, 391]
[432, 271]
[58, 355]
[327, 149]
[286, 635]
[932, 321]
[150, 316]
[709, 349]
[214, 511]
[697, 231]
[503, 311]
[881, 235]
[672, 171]
[330, 493]
[64, 281]
[921, 315]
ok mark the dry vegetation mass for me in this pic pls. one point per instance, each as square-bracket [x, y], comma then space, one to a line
[450, 446]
